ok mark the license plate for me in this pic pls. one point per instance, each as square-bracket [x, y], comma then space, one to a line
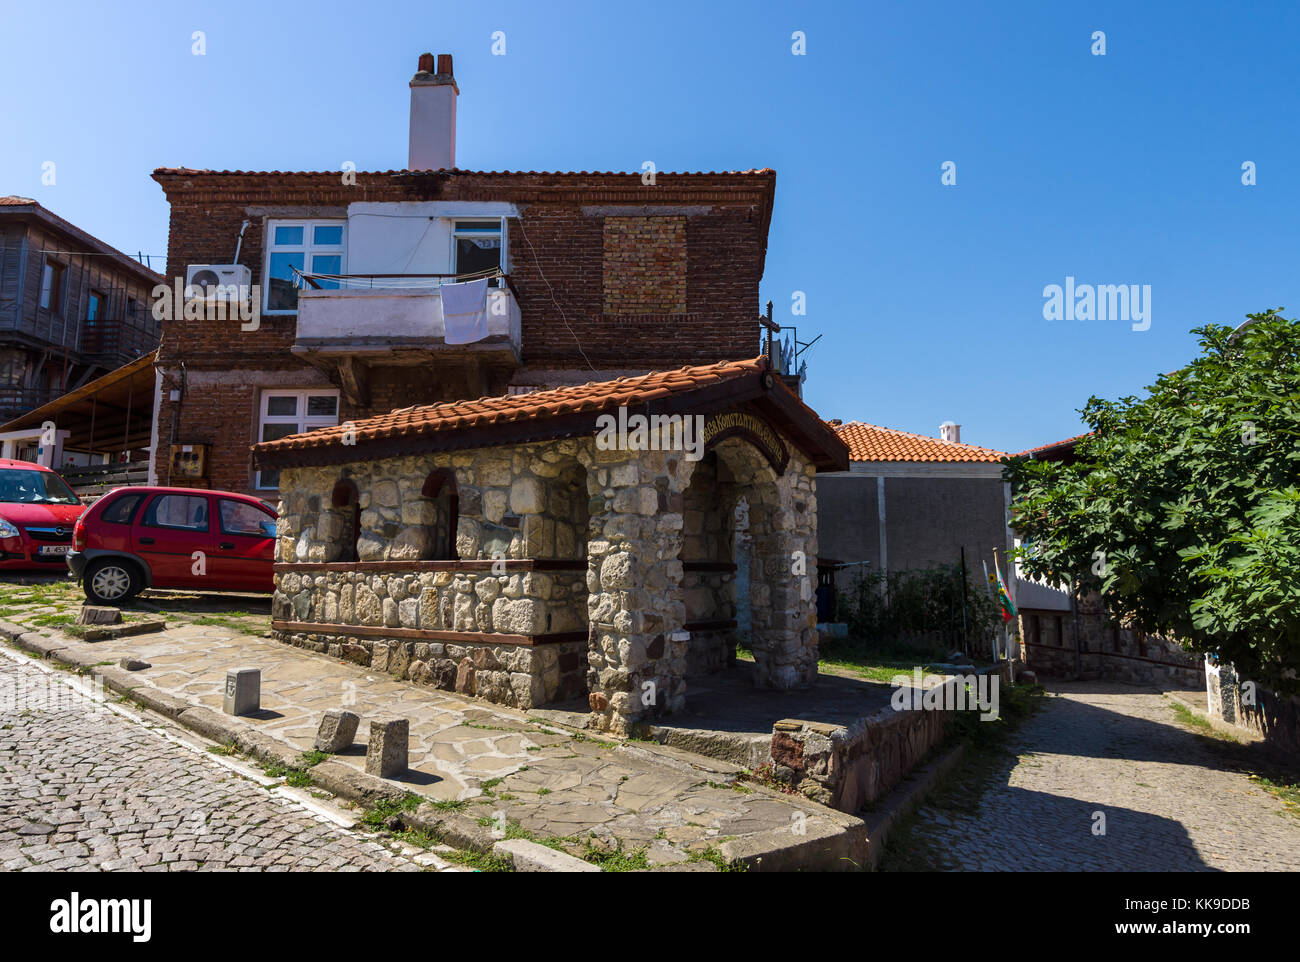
[48, 549]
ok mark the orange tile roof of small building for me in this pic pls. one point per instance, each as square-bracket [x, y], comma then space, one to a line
[424, 419]
[869, 442]
[1068, 442]
[565, 412]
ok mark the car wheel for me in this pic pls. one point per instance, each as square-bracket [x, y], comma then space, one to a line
[110, 581]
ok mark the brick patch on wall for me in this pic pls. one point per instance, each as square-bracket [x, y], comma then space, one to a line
[645, 265]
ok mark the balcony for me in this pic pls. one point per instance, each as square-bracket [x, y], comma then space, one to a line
[349, 324]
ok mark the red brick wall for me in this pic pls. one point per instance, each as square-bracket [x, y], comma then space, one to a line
[558, 265]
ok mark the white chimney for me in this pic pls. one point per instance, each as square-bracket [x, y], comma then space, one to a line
[950, 432]
[433, 115]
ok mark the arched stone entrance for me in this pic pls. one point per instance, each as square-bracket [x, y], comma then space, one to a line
[662, 579]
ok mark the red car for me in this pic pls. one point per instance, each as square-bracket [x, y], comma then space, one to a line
[37, 512]
[137, 538]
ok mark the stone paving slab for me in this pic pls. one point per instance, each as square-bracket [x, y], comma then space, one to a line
[508, 767]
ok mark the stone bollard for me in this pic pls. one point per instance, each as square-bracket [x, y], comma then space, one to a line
[337, 729]
[386, 747]
[243, 691]
[99, 615]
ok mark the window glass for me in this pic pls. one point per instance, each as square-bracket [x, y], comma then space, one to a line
[120, 511]
[30, 486]
[327, 264]
[314, 247]
[282, 290]
[178, 511]
[274, 432]
[322, 405]
[287, 413]
[96, 306]
[240, 517]
[477, 254]
[51, 285]
[282, 405]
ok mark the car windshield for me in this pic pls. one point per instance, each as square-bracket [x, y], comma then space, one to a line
[25, 486]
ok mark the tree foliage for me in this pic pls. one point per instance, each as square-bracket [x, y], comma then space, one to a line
[1183, 507]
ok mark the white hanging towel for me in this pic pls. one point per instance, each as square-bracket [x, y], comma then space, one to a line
[464, 312]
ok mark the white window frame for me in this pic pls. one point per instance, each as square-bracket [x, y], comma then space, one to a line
[300, 419]
[307, 248]
[502, 232]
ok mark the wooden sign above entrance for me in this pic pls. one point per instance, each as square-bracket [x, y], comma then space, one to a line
[737, 424]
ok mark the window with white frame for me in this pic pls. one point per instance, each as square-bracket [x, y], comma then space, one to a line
[293, 412]
[310, 246]
[477, 246]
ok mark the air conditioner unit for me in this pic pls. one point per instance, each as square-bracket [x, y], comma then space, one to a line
[218, 282]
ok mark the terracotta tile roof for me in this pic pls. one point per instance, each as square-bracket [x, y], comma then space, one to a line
[868, 442]
[566, 412]
[1068, 443]
[593, 397]
[80, 236]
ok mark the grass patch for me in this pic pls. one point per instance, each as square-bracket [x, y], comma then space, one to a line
[1199, 722]
[299, 775]
[1287, 792]
[387, 808]
[478, 861]
[618, 860]
[449, 805]
[711, 854]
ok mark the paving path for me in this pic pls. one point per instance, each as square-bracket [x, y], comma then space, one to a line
[508, 766]
[1172, 799]
[86, 787]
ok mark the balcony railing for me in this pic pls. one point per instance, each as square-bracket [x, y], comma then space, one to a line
[374, 316]
[19, 400]
[125, 336]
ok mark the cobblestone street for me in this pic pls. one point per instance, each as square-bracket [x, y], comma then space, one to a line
[85, 787]
[1172, 799]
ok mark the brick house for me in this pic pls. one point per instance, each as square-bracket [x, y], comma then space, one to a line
[591, 276]
[72, 308]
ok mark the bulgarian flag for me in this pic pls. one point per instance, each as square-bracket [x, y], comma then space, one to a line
[1000, 592]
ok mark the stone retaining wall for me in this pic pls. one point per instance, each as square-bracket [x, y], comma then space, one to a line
[848, 766]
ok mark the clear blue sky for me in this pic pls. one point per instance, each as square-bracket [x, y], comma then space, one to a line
[1120, 169]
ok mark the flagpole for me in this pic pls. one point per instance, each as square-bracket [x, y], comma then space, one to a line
[1006, 623]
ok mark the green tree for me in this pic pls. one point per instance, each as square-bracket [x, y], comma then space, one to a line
[1183, 507]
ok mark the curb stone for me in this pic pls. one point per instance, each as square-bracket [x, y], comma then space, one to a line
[528, 856]
[457, 830]
[903, 798]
